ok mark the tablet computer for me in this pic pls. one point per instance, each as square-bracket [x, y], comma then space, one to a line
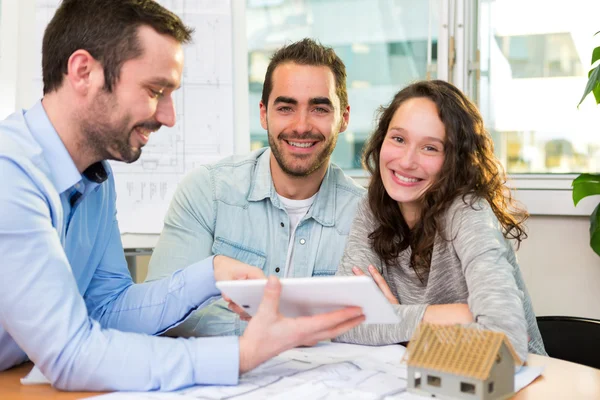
[315, 295]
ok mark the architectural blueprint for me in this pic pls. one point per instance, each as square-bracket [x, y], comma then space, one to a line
[327, 371]
[204, 131]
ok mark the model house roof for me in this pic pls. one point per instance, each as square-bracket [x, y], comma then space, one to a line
[457, 350]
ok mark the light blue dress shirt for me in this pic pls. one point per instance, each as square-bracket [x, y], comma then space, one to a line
[67, 301]
[232, 208]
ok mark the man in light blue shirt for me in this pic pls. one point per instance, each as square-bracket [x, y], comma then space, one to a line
[67, 301]
[285, 209]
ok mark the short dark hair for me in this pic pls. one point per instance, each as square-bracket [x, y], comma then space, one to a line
[107, 29]
[308, 52]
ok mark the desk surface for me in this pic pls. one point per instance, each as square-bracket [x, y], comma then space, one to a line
[560, 380]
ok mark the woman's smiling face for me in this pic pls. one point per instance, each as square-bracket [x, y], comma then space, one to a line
[412, 153]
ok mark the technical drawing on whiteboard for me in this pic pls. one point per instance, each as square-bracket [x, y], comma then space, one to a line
[204, 131]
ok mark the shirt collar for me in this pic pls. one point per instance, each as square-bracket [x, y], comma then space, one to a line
[262, 181]
[64, 173]
[323, 208]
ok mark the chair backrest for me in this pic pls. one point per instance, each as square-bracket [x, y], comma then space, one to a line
[572, 339]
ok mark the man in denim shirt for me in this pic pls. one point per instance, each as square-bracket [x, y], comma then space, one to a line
[284, 209]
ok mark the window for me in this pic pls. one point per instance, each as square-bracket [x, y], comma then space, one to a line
[533, 73]
[383, 44]
[434, 380]
[417, 378]
[490, 387]
[467, 388]
[541, 55]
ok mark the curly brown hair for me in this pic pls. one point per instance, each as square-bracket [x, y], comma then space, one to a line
[470, 170]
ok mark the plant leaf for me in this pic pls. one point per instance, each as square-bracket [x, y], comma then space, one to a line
[596, 92]
[593, 81]
[585, 185]
[595, 230]
[595, 55]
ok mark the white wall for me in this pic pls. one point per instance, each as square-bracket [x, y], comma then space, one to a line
[562, 273]
[17, 67]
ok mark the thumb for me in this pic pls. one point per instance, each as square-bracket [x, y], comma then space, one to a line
[270, 300]
[240, 275]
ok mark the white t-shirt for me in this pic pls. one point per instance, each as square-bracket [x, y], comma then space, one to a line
[296, 210]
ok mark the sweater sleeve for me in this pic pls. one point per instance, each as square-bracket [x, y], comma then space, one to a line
[494, 298]
[359, 253]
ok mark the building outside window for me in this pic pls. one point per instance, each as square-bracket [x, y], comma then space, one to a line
[535, 60]
[382, 43]
[535, 55]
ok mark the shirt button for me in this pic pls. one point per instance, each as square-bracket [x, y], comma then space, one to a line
[277, 269]
[302, 241]
[282, 224]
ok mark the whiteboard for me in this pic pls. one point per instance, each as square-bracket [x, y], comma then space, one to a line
[204, 104]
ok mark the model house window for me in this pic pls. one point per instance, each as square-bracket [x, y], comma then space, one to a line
[467, 388]
[434, 380]
[417, 378]
[490, 387]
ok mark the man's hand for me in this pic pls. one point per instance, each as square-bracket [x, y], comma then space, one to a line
[270, 333]
[229, 269]
[380, 281]
[448, 314]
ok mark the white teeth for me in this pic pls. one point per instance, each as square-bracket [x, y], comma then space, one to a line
[405, 179]
[144, 132]
[303, 145]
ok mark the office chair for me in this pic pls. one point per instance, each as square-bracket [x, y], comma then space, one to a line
[572, 339]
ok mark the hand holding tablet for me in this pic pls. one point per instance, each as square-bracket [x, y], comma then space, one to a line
[315, 295]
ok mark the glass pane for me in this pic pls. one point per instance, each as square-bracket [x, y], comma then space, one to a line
[383, 44]
[535, 59]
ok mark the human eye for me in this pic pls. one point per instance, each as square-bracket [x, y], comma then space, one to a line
[156, 94]
[284, 109]
[321, 110]
[397, 139]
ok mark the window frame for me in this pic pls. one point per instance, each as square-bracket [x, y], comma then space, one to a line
[458, 36]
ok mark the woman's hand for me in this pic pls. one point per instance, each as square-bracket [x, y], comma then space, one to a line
[380, 281]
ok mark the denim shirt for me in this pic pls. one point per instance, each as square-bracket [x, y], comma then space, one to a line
[232, 208]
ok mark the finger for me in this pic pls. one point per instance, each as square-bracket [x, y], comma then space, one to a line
[238, 310]
[383, 286]
[226, 298]
[321, 322]
[336, 330]
[256, 273]
[270, 300]
[357, 271]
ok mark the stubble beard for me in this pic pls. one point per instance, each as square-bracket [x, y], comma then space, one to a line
[106, 140]
[301, 171]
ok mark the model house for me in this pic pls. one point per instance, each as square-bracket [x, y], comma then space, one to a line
[455, 362]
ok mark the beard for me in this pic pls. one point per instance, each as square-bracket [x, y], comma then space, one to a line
[312, 162]
[110, 140]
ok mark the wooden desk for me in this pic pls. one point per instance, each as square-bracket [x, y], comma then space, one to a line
[560, 380]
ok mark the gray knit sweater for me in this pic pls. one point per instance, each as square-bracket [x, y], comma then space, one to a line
[478, 267]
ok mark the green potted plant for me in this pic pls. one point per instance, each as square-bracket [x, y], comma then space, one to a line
[589, 184]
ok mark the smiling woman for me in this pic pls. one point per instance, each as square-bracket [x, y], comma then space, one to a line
[434, 230]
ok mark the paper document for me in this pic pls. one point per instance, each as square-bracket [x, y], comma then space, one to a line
[326, 371]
